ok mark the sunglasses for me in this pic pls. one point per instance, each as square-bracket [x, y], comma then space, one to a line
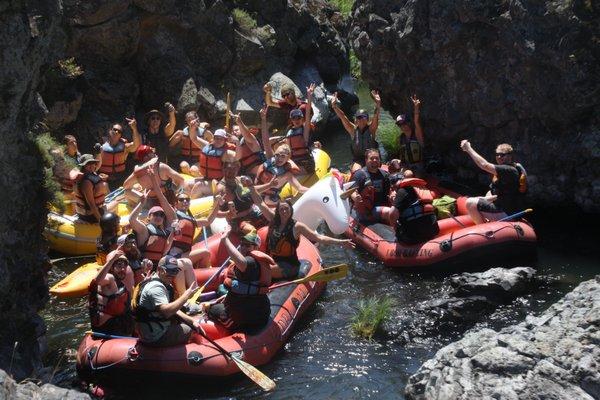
[184, 199]
[502, 154]
[159, 214]
[361, 117]
[172, 271]
[116, 130]
[120, 264]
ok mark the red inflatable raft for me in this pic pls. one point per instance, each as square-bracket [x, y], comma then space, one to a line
[459, 242]
[101, 359]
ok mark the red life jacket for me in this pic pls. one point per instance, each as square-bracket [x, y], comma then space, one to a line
[187, 227]
[423, 205]
[250, 159]
[67, 184]
[210, 163]
[100, 190]
[116, 304]
[260, 286]
[188, 148]
[156, 245]
[113, 157]
[295, 139]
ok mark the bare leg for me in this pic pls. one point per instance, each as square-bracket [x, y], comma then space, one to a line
[201, 188]
[200, 258]
[473, 211]
[176, 138]
[184, 167]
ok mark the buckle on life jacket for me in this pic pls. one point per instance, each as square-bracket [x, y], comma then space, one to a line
[132, 354]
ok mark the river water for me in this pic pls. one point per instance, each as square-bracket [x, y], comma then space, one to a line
[323, 359]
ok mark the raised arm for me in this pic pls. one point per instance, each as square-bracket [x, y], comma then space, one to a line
[110, 260]
[170, 127]
[138, 227]
[249, 138]
[309, 94]
[418, 128]
[236, 256]
[264, 131]
[170, 215]
[197, 129]
[137, 139]
[348, 126]
[481, 162]
[375, 122]
[266, 211]
[313, 236]
[268, 89]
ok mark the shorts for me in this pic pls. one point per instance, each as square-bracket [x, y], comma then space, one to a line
[378, 215]
[489, 210]
[176, 333]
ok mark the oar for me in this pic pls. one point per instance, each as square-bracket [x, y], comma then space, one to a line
[249, 370]
[107, 336]
[115, 193]
[516, 215]
[205, 237]
[325, 275]
[71, 258]
[194, 298]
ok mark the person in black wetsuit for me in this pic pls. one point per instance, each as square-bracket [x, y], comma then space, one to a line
[416, 221]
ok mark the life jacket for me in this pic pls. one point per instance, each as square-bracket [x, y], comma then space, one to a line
[67, 184]
[142, 314]
[188, 148]
[410, 149]
[282, 244]
[100, 190]
[187, 227]
[499, 189]
[250, 159]
[210, 163]
[422, 206]
[105, 246]
[368, 193]
[269, 169]
[361, 142]
[116, 304]
[295, 138]
[257, 287]
[156, 245]
[113, 157]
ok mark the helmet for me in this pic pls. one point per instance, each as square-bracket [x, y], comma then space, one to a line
[109, 221]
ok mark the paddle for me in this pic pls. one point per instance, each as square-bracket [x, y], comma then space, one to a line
[249, 370]
[107, 336]
[325, 275]
[516, 215]
[194, 298]
[115, 193]
[72, 258]
[205, 237]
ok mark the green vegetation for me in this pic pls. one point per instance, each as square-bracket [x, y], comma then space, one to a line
[345, 6]
[69, 68]
[387, 134]
[244, 20]
[355, 70]
[371, 313]
[45, 144]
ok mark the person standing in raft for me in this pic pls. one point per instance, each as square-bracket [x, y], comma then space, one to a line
[90, 191]
[415, 216]
[247, 280]
[373, 186]
[412, 141]
[507, 190]
[189, 152]
[115, 150]
[152, 135]
[249, 151]
[283, 237]
[159, 319]
[298, 136]
[289, 100]
[362, 133]
[109, 295]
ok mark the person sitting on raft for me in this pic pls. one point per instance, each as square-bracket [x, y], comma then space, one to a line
[283, 237]
[152, 135]
[412, 142]
[109, 295]
[189, 152]
[247, 281]
[158, 314]
[90, 191]
[170, 180]
[298, 136]
[115, 150]
[415, 216]
[128, 244]
[238, 208]
[373, 186]
[362, 132]
[183, 237]
[507, 190]
[249, 151]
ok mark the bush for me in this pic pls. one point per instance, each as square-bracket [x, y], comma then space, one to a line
[387, 134]
[371, 313]
[69, 68]
[345, 6]
[244, 20]
[45, 144]
[355, 69]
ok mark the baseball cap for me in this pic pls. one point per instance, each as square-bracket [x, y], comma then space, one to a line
[296, 112]
[142, 152]
[220, 132]
[129, 237]
[361, 114]
[252, 238]
[156, 209]
[169, 263]
[402, 119]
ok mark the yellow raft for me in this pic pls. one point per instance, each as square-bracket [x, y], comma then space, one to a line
[322, 164]
[77, 282]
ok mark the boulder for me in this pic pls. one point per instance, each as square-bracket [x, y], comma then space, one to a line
[9, 389]
[555, 355]
[500, 283]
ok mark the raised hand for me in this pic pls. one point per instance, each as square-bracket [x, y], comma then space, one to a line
[113, 255]
[465, 145]
[131, 122]
[226, 232]
[218, 200]
[267, 88]
[310, 90]
[376, 97]
[334, 100]
[170, 107]
[263, 112]
[416, 102]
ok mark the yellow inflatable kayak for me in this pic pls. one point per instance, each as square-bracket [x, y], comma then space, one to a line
[322, 164]
[77, 282]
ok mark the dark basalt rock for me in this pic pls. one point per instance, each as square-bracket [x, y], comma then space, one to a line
[553, 356]
[523, 72]
[9, 389]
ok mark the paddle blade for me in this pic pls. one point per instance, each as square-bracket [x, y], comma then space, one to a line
[196, 296]
[266, 383]
[327, 274]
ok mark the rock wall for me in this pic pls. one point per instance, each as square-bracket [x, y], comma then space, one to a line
[31, 36]
[553, 356]
[523, 72]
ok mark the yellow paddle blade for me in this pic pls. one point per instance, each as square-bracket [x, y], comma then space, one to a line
[196, 296]
[253, 373]
[326, 274]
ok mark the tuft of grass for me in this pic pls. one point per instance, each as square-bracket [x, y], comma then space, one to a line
[244, 20]
[355, 68]
[69, 68]
[387, 134]
[371, 313]
[345, 6]
[45, 144]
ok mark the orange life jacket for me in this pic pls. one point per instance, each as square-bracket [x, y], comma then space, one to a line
[250, 159]
[156, 245]
[188, 148]
[282, 244]
[260, 286]
[210, 163]
[100, 190]
[116, 304]
[184, 237]
[295, 139]
[113, 157]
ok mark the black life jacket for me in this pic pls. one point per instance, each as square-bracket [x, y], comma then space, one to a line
[142, 314]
